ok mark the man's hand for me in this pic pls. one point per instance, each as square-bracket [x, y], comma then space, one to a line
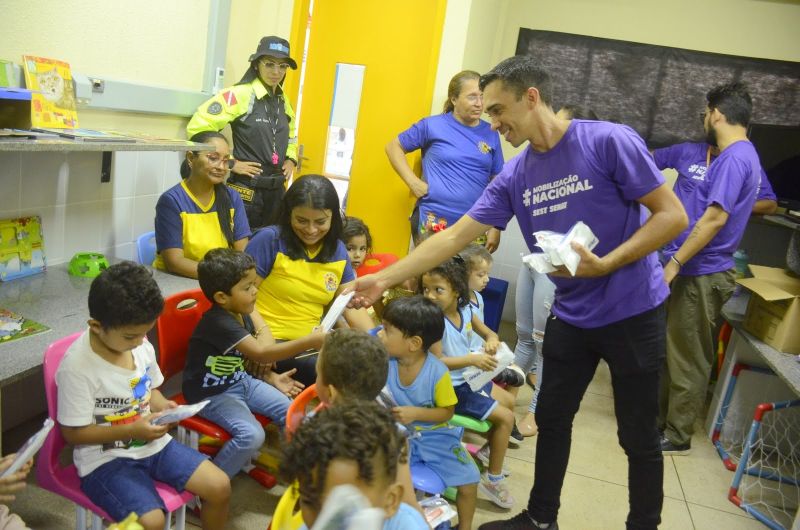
[250, 169]
[671, 270]
[288, 168]
[286, 384]
[483, 361]
[590, 266]
[492, 239]
[404, 415]
[369, 290]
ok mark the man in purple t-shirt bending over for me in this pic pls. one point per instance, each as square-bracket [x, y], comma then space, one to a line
[602, 174]
[700, 261]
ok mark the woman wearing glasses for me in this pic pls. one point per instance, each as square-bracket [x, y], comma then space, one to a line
[263, 128]
[200, 213]
[460, 155]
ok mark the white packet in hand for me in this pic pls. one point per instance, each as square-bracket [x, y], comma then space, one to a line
[477, 378]
[539, 261]
[579, 233]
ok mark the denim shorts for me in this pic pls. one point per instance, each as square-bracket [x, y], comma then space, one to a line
[125, 485]
[476, 405]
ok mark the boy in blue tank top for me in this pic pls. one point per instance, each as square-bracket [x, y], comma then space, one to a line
[420, 385]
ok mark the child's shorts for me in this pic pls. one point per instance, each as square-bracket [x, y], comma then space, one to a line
[441, 450]
[475, 404]
[125, 485]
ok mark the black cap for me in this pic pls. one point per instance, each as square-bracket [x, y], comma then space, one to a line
[274, 47]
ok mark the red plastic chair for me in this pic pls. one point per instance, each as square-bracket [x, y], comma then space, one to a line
[375, 263]
[182, 312]
[63, 480]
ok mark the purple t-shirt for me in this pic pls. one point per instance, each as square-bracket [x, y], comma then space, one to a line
[689, 160]
[731, 182]
[457, 163]
[594, 174]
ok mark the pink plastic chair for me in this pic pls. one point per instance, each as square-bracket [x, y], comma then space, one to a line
[63, 480]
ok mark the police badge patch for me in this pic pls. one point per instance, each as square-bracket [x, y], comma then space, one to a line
[214, 108]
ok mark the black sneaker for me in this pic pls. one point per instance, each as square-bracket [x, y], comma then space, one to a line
[515, 434]
[669, 448]
[521, 521]
[511, 376]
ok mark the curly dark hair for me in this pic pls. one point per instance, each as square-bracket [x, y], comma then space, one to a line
[361, 431]
[221, 269]
[416, 316]
[454, 271]
[125, 294]
[354, 362]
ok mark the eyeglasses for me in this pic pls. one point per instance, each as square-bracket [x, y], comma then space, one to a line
[276, 66]
[474, 98]
[216, 159]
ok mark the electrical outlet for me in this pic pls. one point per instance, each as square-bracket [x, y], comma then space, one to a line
[98, 86]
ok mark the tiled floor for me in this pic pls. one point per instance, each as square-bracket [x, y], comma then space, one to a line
[594, 496]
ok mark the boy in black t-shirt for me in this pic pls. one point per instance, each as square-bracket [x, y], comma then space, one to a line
[228, 333]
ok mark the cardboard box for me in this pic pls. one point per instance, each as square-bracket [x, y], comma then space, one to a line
[773, 314]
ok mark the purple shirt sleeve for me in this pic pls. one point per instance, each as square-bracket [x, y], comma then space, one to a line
[727, 177]
[630, 164]
[168, 223]
[415, 137]
[765, 192]
[665, 157]
[264, 249]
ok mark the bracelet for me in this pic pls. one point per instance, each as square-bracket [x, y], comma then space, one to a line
[673, 258]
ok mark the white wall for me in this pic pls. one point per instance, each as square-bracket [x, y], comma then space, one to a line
[79, 213]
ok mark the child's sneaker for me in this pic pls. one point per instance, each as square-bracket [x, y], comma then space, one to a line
[483, 456]
[496, 491]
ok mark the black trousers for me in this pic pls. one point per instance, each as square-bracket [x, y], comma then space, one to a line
[634, 349]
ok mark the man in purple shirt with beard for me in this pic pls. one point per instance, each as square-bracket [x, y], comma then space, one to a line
[699, 263]
[613, 309]
[691, 161]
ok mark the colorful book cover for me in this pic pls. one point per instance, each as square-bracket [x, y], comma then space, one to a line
[54, 104]
[21, 247]
[14, 326]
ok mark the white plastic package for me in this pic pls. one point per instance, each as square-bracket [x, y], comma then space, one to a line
[437, 510]
[347, 509]
[557, 249]
[477, 378]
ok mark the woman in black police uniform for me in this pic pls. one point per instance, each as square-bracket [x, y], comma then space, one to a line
[263, 126]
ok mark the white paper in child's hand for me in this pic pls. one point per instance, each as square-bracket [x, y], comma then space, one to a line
[477, 378]
[347, 509]
[337, 308]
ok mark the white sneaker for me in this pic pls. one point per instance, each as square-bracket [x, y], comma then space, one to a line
[497, 492]
[483, 456]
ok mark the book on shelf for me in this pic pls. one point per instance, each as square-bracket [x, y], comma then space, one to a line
[87, 135]
[53, 102]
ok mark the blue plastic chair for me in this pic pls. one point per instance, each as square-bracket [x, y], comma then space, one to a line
[146, 248]
[494, 298]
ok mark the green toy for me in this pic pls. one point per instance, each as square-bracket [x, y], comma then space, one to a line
[87, 264]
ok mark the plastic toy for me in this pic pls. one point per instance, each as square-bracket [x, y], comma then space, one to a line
[87, 264]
